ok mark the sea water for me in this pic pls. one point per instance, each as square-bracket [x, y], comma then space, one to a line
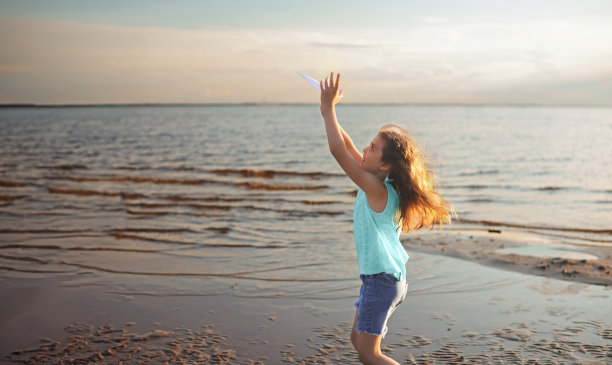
[154, 199]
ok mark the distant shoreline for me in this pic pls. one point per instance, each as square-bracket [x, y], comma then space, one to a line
[165, 105]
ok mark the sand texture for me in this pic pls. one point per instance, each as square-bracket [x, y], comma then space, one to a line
[490, 248]
[456, 312]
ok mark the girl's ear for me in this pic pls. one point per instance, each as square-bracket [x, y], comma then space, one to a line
[386, 167]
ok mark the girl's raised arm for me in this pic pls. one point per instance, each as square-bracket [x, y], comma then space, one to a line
[350, 146]
[346, 158]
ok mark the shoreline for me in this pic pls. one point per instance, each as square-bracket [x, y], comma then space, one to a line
[548, 258]
[455, 309]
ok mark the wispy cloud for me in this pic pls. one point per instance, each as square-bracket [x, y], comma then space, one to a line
[434, 60]
[15, 69]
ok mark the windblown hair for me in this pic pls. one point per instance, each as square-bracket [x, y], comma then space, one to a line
[419, 203]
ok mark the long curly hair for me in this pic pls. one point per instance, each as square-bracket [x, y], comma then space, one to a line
[419, 203]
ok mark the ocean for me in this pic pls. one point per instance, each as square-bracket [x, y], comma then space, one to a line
[153, 199]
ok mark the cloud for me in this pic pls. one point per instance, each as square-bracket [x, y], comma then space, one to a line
[339, 45]
[435, 60]
[15, 69]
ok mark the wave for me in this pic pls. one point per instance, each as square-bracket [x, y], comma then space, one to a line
[551, 188]
[236, 275]
[155, 180]
[122, 194]
[190, 205]
[255, 186]
[268, 174]
[245, 172]
[233, 207]
[70, 231]
[546, 188]
[470, 187]
[541, 228]
[287, 212]
[63, 167]
[76, 248]
[45, 231]
[480, 200]
[6, 200]
[11, 184]
[166, 294]
[136, 179]
[21, 258]
[479, 172]
[10, 198]
[154, 230]
[131, 168]
[242, 199]
[121, 235]
[206, 199]
[163, 213]
[32, 271]
[220, 230]
[291, 212]
[603, 202]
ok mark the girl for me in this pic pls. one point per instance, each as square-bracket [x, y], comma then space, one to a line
[395, 193]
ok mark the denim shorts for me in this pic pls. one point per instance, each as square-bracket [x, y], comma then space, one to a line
[380, 294]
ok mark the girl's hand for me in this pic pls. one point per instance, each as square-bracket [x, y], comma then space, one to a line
[329, 91]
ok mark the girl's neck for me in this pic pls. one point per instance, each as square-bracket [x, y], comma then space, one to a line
[382, 176]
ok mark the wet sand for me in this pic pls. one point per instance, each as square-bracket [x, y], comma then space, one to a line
[521, 252]
[456, 312]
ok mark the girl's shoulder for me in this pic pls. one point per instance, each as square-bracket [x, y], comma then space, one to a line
[392, 193]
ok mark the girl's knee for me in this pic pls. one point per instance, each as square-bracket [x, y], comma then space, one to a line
[367, 356]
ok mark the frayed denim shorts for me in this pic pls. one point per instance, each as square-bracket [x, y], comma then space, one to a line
[379, 296]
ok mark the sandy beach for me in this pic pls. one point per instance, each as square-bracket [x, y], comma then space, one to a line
[488, 309]
[165, 235]
[520, 251]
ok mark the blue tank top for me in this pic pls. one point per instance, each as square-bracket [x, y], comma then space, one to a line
[377, 237]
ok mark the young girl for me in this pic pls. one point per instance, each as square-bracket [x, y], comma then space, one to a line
[395, 193]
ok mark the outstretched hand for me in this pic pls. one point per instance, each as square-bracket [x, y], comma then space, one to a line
[329, 91]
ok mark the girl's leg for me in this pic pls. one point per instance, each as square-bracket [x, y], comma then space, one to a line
[368, 346]
[368, 349]
[354, 330]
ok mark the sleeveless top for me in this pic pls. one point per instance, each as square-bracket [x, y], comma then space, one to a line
[377, 236]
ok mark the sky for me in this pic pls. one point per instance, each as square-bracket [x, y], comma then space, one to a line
[421, 51]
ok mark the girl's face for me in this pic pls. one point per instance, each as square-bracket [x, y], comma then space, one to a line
[372, 157]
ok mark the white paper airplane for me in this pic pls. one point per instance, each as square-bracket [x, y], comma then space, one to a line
[314, 83]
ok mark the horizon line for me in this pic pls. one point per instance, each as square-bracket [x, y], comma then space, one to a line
[98, 105]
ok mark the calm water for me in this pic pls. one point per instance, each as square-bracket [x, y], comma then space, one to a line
[152, 199]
